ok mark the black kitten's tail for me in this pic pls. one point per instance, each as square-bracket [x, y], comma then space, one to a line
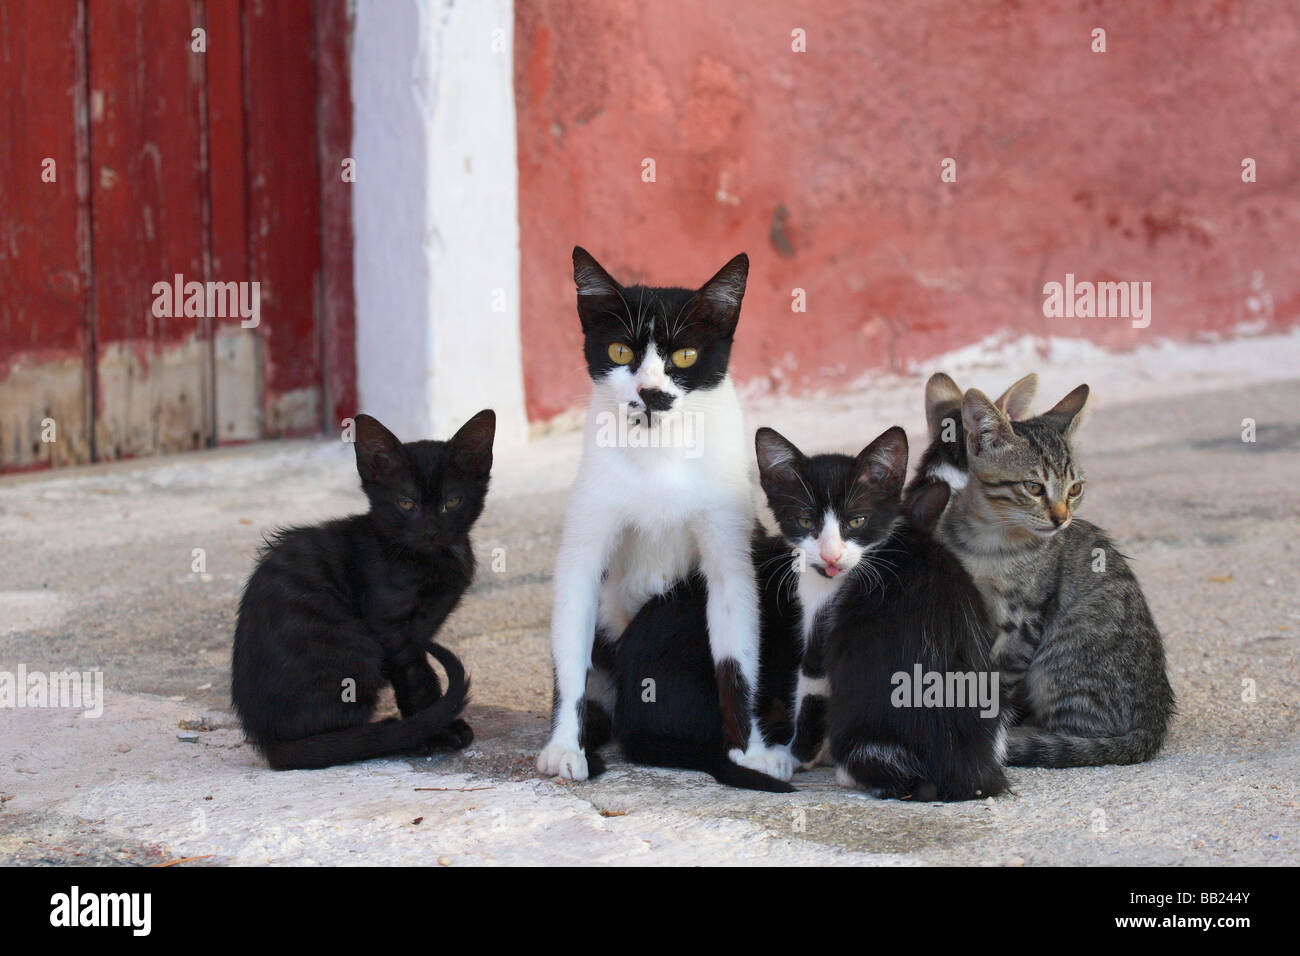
[1034, 747]
[381, 738]
[686, 755]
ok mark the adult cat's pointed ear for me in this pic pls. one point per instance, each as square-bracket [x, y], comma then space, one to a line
[718, 300]
[590, 275]
[987, 428]
[882, 465]
[925, 506]
[379, 453]
[471, 446]
[778, 459]
[1065, 414]
[942, 401]
[597, 291]
[1015, 401]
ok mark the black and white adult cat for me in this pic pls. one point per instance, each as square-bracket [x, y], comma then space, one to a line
[662, 491]
[334, 613]
[667, 712]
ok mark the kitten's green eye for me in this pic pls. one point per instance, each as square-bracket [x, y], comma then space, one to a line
[620, 354]
[685, 358]
[1076, 489]
[1034, 488]
[858, 522]
[451, 502]
[803, 522]
[406, 504]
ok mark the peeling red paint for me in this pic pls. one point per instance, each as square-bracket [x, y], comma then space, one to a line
[825, 166]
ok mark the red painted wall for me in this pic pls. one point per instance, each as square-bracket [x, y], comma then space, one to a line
[825, 167]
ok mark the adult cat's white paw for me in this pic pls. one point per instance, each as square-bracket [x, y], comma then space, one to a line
[844, 778]
[774, 761]
[557, 760]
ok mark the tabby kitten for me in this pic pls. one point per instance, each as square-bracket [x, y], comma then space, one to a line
[334, 613]
[1079, 653]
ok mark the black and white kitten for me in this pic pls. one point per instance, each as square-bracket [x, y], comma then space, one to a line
[662, 491]
[334, 613]
[916, 710]
[667, 712]
[945, 457]
[833, 510]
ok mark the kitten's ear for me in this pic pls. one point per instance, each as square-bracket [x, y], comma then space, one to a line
[1065, 414]
[597, 290]
[379, 453]
[778, 459]
[942, 399]
[924, 507]
[718, 300]
[987, 428]
[1015, 401]
[471, 446]
[882, 465]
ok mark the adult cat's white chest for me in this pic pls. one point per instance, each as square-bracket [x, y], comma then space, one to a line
[660, 491]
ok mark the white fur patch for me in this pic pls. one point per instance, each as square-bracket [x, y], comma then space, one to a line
[950, 475]
[891, 755]
[640, 518]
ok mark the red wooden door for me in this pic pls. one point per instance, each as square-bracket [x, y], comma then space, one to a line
[198, 139]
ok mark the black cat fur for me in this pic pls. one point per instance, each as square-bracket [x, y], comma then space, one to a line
[668, 642]
[920, 606]
[359, 600]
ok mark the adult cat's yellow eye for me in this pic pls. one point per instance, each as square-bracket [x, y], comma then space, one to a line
[805, 523]
[451, 502]
[685, 358]
[1034, 488]
[1076, 488]
[620, 354]
[406, 504]
[858, 522]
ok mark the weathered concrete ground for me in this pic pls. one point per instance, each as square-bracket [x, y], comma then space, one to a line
[95, 572]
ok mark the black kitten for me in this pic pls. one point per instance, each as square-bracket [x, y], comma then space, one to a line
[915, 710]
[667, 711]
[334, 613]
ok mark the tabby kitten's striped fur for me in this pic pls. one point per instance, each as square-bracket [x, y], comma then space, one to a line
[1080, 656]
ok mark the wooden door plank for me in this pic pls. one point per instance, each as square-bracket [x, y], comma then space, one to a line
[238, 350]
[280, 86]
[44, 272]
[147, 185]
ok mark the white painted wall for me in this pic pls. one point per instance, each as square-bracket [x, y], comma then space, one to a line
[435, 209]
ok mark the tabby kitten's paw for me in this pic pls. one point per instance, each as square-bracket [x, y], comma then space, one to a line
[556, 760]
[776, 762]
